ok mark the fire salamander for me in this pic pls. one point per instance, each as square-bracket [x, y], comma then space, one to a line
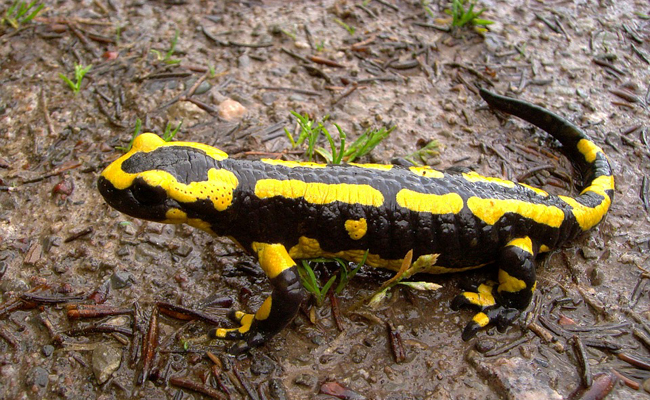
[282, 211]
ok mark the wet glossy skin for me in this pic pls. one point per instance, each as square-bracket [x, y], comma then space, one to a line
[283, 211]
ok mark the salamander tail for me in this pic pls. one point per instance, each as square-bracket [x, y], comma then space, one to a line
[593, 202]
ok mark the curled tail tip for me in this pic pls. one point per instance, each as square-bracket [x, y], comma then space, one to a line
[594, 201]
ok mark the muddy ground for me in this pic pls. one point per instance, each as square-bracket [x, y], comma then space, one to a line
[62, 246]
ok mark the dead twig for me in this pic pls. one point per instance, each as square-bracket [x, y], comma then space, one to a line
[58, 171]
[583, 360]
[196, 387]
[46, 113]
[149, 346]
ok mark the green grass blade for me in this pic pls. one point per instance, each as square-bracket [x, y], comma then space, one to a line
[69, 82]
[34, 13]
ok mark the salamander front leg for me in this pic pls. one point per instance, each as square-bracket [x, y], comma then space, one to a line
[277, 311]
[500, 305]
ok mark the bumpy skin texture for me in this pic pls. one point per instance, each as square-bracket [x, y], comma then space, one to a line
[283, 211]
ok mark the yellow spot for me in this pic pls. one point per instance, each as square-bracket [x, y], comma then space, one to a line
[491, 210]
[381, 167]
[427, 172]
[482, 297]
[264, 310]
[356, 228]
[319, 193]
[450, 203]
[175, 216]
[293, 164]
[589, 149]
[508, 283]
[246, 321]
[474, 177]
[221, 332]
[273, 258]
[485, 289]
[523, 243]
[544, 248]
[481, 319]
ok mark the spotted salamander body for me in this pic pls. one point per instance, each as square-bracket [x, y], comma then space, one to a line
[282, 211]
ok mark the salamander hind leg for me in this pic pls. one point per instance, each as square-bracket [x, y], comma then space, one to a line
[500, 304]
[277, 311]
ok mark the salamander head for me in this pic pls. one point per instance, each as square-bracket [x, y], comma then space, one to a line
[171, 182]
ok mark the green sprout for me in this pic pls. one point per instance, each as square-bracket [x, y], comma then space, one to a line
[136, 132]
[461, 16]
[167, 58]
[425, 5]
[347, 274]
[347, 27]
[421, 156]
[366, 143]
[288, 33]
[17, 13]
[310, 130]
[79, 72]
[118, 34]
[312, 284]
[168, 135]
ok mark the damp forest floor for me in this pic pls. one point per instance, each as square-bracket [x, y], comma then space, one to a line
[87, 294]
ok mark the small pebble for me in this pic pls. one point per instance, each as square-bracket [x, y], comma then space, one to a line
[231, 110]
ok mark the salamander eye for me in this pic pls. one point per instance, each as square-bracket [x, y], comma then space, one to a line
[147, 195]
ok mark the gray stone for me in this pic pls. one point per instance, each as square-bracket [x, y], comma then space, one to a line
[106, 360]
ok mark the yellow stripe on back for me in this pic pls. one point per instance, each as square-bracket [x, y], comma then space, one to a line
[427, 172]
[491, 210]
[474, 177]
[319, 193]
[450, 203]
[380, 167]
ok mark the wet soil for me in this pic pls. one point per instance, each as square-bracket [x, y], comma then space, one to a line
[62, 247]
